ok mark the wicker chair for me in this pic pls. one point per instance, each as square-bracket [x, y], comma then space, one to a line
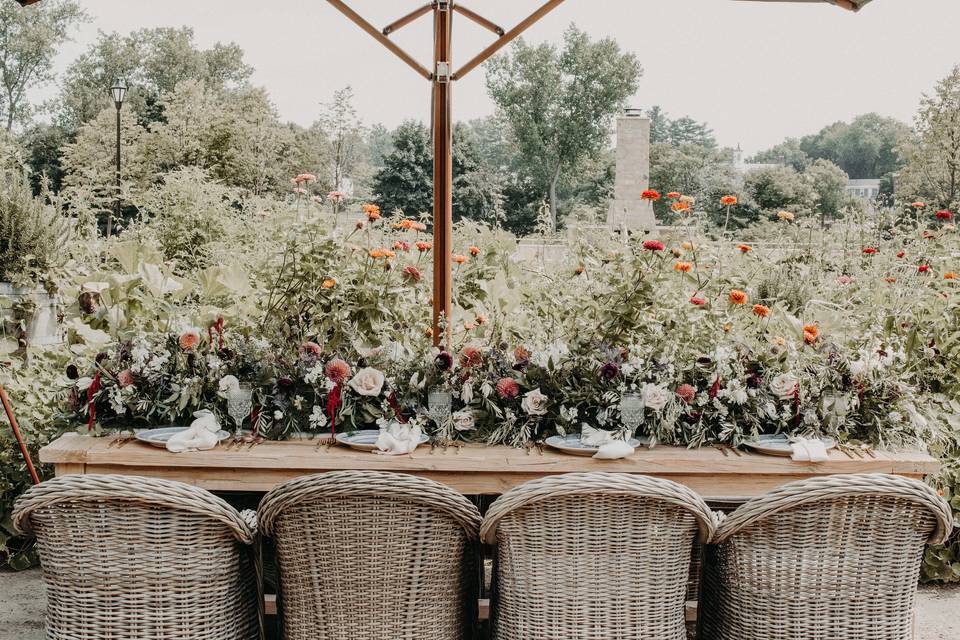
[593, 556]
[131, 557]
[369, 555]
[833, 558]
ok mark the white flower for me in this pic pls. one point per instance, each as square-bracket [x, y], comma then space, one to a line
[466, 393]
[486, 389]
[227, 385]
[84, 383]
[313, 374]
[568, 414]
[655, 397]
[318, 419]
[534, 403]
[784, 386]
[736, 393]
[278, 415]
[464, 421]
[367, 382]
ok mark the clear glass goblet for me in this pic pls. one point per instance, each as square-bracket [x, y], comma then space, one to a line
[240, 406]
[440, 406]
[631, 411]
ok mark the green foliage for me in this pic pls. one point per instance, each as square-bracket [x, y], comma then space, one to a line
[829, 183]
[679, 132]
[32, 233]
[29, 40]
[153, 62]
[701, 172]
[560, 104]
[932, 172]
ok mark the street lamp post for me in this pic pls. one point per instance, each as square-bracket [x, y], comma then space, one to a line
[119, 92]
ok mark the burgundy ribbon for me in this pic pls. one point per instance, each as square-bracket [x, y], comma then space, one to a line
[715, 389]
[91, 403]
[334, 401]
[218, 325]
[396, 407]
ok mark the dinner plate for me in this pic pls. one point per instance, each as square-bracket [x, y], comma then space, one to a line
[159, 437]
[571, 444]
[778, 444]
[366, 440]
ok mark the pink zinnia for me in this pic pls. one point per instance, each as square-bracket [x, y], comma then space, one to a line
[337, 370]
[411, 274]
[844, 280]
[312, 348]
[698, 301]
[508, 388]
[653, 245]
[687, 393]
[125, 378]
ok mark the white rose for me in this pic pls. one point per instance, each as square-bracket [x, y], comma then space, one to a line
[464, 421]
[228, 384]
[655, 397]
[784, 386]
[367, 382]
[534, 403]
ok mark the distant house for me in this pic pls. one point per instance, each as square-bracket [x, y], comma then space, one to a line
[744, 167]
[866, 189]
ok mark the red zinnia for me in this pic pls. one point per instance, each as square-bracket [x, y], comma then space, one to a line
[698, 301]
[870, 251]
[508, 388]
[411, 275]
[653, 245]
[900, 254]
[470, 357]
[728, 201]
[944, 215]
[650, 194]
[923, 268]
[687, 393]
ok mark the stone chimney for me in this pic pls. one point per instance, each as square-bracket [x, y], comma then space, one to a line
[628, 211]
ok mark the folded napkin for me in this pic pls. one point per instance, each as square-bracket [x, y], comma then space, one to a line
[202, 435]
[806, 450]
[398, 439]
[610, 447]
[614, 450]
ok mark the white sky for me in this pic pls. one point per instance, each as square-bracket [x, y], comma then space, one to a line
[756, 72]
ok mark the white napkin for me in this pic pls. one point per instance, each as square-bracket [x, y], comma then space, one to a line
[591, 437]
[614, 450]
[805, 450]
[200, 436]
[398, 439]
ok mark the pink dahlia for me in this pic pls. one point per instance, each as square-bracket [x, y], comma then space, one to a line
[508, 388]
[687, 393]
[337, 371]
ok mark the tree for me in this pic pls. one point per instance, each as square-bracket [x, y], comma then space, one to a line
[684, 130]
[829, 184]
[405, 181]
[29, 41]
[345, 134]
[932, 172]
[154, 62]
[776, 188]
[787, 152]
[560, 104]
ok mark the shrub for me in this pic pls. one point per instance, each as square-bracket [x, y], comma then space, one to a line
[32, 233]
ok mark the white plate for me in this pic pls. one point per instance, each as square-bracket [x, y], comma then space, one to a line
[571, 444]
[367, 440]
[778, 444]
[159, 437]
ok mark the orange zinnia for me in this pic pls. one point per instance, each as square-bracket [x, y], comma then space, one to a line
[744, 248]
[680, 206]
[650, 194]
[474, 251]
[812, 329]
[378, 253]
[950, 275]
[424, 246]
[673, 195]
[372, 211]
[685, 267]
[460, 259]
[329, 283]
[738, 297]
[728, 201]
[761, 311]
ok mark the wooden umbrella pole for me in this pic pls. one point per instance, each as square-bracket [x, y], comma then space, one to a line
[18, 435]
[442, 170]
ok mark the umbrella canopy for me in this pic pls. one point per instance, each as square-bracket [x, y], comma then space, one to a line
[852, 5]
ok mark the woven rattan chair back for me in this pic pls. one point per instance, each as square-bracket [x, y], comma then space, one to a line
[130, 557]
[368, 556]
[593, 556]
[832, 558]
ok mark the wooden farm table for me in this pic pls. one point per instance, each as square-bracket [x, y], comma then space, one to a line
[473, 470]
